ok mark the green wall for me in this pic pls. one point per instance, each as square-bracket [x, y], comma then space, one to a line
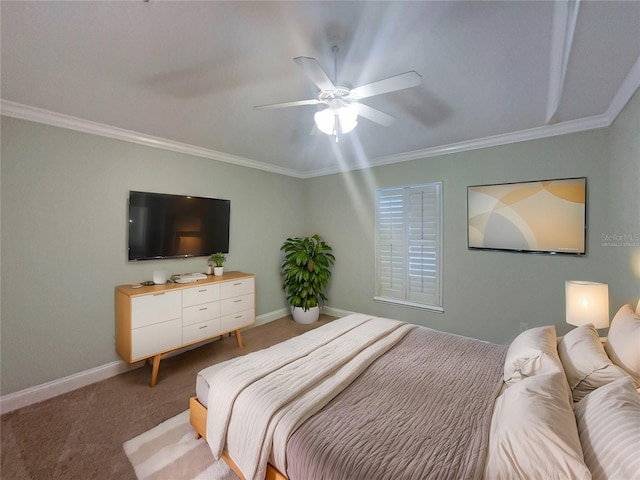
[621, 234]
[488, 294]
[64, 210]
[63, 248]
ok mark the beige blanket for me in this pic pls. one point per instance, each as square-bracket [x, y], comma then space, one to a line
[256, 401]
[420, 412]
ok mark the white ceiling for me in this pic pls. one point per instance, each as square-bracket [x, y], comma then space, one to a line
[185, 75]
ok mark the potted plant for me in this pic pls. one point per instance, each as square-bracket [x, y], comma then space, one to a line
[306, 274]
[217, 260]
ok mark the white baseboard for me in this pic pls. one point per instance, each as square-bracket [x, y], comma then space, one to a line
[48, 390]
[283, 312]
[271, 316]
[39, 393]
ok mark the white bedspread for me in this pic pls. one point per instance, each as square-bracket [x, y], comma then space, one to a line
[257, 400]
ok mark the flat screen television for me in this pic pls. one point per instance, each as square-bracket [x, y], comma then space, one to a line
[545, 216]
[176, 226]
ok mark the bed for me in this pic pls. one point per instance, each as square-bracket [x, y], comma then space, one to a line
[365, 398]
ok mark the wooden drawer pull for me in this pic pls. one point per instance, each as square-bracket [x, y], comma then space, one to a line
[158, 294]
[202, 291]
[202, 327]
[238, 316]
[239, 283]
[205, 308]
[237, 301]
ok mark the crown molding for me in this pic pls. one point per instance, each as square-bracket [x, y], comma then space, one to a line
[590, 123]
[40, 115]
[629, 86]
[565, 16]
[620, 99]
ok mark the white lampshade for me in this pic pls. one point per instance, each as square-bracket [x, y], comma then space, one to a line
[328, 120]
[587, 302]
[348, 119]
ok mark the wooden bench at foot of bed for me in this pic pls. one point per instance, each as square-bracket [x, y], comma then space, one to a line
[198, 420]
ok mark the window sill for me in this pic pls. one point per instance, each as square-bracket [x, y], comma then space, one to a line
[404, 303]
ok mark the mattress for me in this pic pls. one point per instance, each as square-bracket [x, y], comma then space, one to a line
[202, 385]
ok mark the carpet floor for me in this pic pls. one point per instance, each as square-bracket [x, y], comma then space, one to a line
[79, 435]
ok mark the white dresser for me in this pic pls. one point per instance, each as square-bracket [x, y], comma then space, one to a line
[153, 321]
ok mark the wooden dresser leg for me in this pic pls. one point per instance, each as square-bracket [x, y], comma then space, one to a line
[154, 372]
[239, 338]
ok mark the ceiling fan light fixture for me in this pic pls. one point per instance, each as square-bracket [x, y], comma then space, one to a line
[348, 119]
[326, 121]
[329, 119]
[343, 107]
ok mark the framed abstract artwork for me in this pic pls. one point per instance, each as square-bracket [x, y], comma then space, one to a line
[543, 216]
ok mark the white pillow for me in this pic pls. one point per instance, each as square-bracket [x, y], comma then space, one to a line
[585, 362]
[533, 352]
[533, 432]
[623, 342]
[609, 428]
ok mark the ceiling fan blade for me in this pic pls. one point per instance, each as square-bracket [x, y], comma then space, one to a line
[391, 84]
[374, 115]
[315, 72]
[288, 104]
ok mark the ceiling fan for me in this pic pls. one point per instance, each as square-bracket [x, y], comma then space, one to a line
[343, 103]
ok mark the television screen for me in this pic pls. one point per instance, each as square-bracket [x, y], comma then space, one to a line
[547, 216]
[176, 226]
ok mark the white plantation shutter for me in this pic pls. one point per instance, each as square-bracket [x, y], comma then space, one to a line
[408, 245]
[390, 243]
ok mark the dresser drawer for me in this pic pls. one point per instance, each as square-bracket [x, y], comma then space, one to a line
[160, 337]
[236, 288]
[155, 308]
[200, 331]
[237, 320]
[200, 313]
[200, 295]
[236, 304]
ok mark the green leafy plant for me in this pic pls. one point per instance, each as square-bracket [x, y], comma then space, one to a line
[306, 270]
[217, 259]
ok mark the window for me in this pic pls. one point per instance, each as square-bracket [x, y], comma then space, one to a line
[408, 245]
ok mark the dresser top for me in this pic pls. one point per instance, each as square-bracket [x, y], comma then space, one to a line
[130, 291]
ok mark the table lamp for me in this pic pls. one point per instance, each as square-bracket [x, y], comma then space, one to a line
[587, 302]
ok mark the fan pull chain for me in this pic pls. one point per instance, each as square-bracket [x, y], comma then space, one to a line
[335, 50]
